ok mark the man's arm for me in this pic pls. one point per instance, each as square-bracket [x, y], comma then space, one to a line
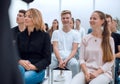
[73, 52]
[57, 54]
[117, 55]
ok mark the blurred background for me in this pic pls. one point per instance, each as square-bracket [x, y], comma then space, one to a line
[81, 9]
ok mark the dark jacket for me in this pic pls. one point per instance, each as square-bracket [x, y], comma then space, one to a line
[35, 47]
[116, 38]
[15, 32]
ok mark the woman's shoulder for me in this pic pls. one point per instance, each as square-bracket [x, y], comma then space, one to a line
[43, 33]
[86, 38]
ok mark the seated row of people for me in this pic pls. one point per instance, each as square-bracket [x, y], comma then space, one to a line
[96, 49]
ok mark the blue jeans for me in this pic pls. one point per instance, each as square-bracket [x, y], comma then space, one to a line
[32, 77]
[77, 53]
[117, 79]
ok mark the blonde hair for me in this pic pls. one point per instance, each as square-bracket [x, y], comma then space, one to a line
[66, 12]
[37, 19]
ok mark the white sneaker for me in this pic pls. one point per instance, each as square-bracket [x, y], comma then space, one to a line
[59, 78]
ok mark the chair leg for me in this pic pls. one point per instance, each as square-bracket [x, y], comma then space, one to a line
[61, 72]
[51, 76]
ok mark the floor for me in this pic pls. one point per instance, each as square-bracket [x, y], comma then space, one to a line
[67, 76]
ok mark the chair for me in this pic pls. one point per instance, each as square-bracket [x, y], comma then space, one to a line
[47, 76]
[59, 72]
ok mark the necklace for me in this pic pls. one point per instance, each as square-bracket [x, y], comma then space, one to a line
[96, 36]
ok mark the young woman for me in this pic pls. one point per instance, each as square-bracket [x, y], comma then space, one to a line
[97, 53]
[34, 48]
[55, 26]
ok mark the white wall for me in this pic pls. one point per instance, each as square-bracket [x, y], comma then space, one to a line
[81, 9]
[14, 8]
[109, 6]
[50, 10]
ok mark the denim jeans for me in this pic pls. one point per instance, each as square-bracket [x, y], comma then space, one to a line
[117, 78]
[72, 64]
[77, 54]
[32, 77]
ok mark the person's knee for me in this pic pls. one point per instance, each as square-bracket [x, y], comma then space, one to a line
[78, 79]
[52, 66]
[21, 68]
[74, 64]
[101, 79]
[33, 77]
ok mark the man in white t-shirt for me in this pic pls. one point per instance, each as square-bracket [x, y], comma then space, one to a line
[65, 43]
[81, 32]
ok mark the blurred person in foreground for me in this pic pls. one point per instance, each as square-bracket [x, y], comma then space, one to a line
[9, 72]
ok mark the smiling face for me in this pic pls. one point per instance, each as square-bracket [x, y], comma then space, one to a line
[66, 19]
[96, 21]
[77, 23]
[72, 23]
[55, 24]
[109, 21]
[114, 26]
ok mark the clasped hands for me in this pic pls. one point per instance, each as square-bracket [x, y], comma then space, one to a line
[27, 65]
[90, 76]
[62, 63]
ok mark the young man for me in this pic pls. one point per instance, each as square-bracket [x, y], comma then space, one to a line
[81, 32]
[112, 28]
[20, 21]
[65, 43]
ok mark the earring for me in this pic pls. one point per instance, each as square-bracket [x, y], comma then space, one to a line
[102, 28]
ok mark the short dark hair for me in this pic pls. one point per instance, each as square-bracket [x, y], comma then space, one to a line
[78, 20]
[22, 11]
[108, 16]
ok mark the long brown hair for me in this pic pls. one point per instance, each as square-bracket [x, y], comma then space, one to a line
[51, 29]
[106, 47]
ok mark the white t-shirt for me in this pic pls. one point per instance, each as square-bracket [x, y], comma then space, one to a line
[65, 41]
[81, 33]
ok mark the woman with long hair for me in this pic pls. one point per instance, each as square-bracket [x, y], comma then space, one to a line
[97, 53]
[55, 26]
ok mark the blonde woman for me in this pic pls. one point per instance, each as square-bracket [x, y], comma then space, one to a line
[34, 48]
